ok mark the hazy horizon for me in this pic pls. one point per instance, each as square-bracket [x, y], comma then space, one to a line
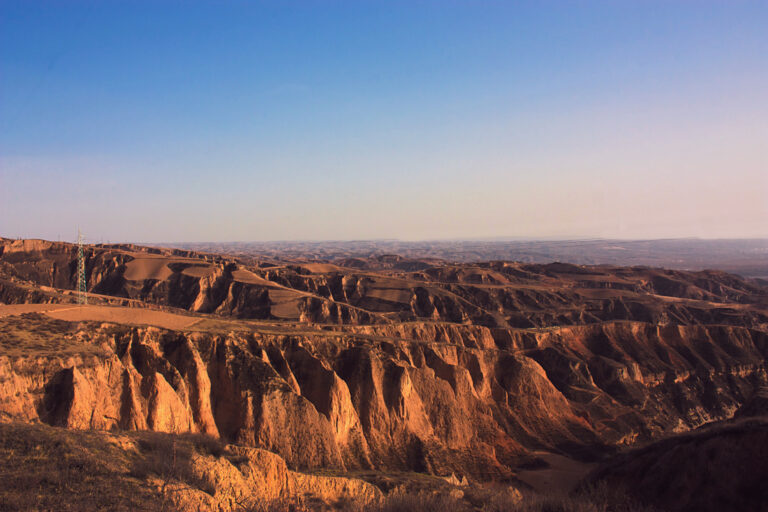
[206, 122]
[501, 239]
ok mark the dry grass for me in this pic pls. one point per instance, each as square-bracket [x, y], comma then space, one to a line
[33, 334]
[167, 457]
[595, 499]
[477, 499]
[44, 468]
[424, 502]
[398, 502]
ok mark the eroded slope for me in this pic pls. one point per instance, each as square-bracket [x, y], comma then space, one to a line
[441, 368]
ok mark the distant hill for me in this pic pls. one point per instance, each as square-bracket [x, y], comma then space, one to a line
[747, 257]
[503, 373]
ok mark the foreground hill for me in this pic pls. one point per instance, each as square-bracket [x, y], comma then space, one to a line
[722, 466]
[45, 468]
[488, 371]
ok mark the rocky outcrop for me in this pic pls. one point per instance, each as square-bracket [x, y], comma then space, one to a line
[495, 295]
[358, 401]
[446, 369]
[250, 476]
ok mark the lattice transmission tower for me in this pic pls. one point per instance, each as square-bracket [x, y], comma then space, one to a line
[81, 287]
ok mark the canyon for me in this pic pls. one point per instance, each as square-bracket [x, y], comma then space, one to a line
[383, 365]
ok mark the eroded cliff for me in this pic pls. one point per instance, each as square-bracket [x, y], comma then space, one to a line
[360, 401]
[445, 369]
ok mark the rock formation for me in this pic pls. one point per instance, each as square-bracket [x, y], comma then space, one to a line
[445, 369]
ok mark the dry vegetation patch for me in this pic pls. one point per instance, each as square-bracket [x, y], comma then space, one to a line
[36, 335]
[45, 468]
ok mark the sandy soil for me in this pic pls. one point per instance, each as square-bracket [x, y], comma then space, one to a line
[246, 276]
[285, 303]
[198, 271]
[122, 315]
[390, 294]
[20, 309]
[147, 268]
[286, 310]
[321, 268]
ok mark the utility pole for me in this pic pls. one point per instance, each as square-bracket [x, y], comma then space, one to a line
[81, 287]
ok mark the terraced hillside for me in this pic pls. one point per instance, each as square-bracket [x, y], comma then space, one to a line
[476, 370]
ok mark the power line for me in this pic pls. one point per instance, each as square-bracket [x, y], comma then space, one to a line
[81, 287]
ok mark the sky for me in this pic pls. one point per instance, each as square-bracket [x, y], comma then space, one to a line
[184, 121]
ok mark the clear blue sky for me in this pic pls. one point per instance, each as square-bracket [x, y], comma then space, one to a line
[215, 121]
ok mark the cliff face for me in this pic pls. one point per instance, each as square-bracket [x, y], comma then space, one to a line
[365, 401]
[333, 403]
[463, 369]
[498, 295]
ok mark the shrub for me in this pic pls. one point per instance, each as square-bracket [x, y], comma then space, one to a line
[206, 444]
[169, 458]
[421, 502]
